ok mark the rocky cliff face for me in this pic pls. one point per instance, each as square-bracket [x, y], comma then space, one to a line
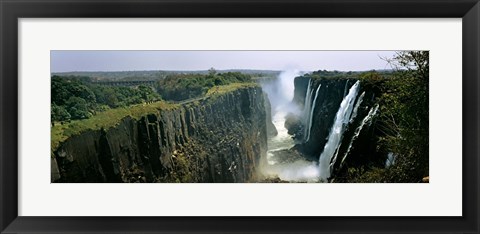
[358, 143]
[220, 139]
[271, 129]
[328, 101]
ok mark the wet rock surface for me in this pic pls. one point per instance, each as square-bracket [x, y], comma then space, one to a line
[357, 140]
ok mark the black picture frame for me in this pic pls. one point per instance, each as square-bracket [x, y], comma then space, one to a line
[11, 11]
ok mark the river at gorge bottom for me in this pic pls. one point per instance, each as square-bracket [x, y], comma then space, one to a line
[283, 163]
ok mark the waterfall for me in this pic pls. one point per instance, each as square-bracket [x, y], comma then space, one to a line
[280, 93]
[342, 118]
[306, 108]
[355, 109]
[367, 119]
[345, 89]
[296, 168]
[390, 159]
[310, 118]
[306, 105]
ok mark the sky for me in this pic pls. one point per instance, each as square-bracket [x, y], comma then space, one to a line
[90, 60]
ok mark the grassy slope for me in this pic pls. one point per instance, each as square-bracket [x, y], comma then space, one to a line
[218, 90]
[112, 117]
[106, 119]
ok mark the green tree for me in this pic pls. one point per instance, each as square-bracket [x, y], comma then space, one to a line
[212, 71]
[77, 107]
[147, 93]
[59, 113]
[404, 116]
[110, 97]
[60, 91]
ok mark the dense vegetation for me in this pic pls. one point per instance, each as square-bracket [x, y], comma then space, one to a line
[79, 98]
[402, 123]
[157, 74]
[345, 75]
[403, 120]
[111, 117]
[95, 106]
[177, 87]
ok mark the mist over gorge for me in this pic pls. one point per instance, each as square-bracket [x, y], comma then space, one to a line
[319, 127]
[243, 126]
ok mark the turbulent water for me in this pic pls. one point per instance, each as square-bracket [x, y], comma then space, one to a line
[282, 140]
[295, 169]
[280, 94]
[342, 118]
[287, 164]
[290, 167]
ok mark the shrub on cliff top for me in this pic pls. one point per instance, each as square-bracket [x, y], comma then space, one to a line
[178, 87]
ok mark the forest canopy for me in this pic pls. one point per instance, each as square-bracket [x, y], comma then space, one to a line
[179, 87]
[403, 120]
[79, 98]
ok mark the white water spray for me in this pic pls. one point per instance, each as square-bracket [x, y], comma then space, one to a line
[367, 119]
[307, 110]
[390, 160]
[286, 86]
[297, 171]
[281, 94]
[310, 115]
[306, 106]
[342, 118]
[355, 109]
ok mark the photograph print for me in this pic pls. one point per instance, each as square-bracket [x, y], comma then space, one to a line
[239, 116]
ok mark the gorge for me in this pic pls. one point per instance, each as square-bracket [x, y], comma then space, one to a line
[294, 128]
[329, 119]
[218, 139]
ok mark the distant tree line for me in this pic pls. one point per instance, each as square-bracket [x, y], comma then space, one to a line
[78, 98]
[177, 87]
[345, 75]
